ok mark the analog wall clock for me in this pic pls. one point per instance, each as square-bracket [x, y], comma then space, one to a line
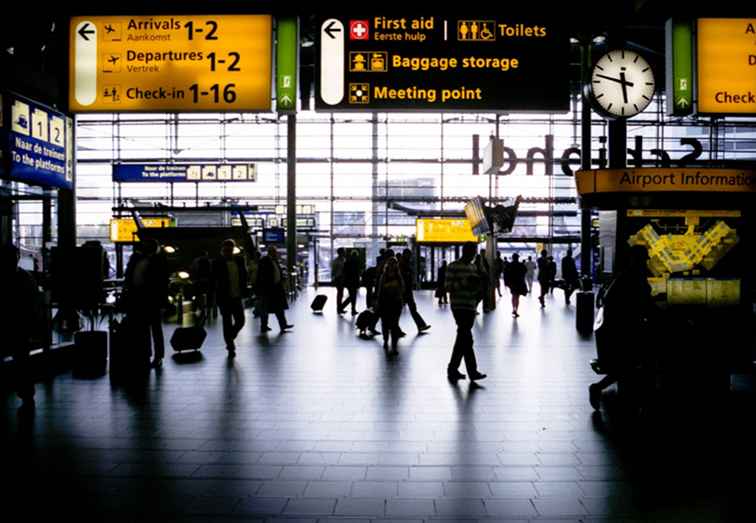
[622, 84]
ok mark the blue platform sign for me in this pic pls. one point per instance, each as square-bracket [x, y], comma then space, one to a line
[274, 235]
[38, 143]
[184, 172]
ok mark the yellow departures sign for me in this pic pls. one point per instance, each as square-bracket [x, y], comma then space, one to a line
[170, 63]
[726, 66]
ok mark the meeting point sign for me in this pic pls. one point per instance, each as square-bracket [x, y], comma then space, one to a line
[442, 63]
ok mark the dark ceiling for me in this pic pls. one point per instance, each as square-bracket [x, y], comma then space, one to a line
[33, 54]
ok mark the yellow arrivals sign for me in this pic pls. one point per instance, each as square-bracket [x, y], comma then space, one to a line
[123, 230]
[665, 180]
[170, 63]
[437, 230]
[726, 65]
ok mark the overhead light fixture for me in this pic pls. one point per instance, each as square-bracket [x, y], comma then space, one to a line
[183, 275]
[169, 249]
[600, 39]
[237, 250]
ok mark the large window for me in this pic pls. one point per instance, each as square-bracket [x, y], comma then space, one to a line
[351, 166]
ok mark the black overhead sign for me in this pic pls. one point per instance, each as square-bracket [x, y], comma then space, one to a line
[471, 63]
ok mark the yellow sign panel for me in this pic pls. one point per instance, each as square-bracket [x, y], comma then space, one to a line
[665, 180]
[433, 230]
[170, 63]
[727, 65]
[123, 230]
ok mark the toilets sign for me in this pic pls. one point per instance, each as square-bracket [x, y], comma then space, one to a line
[435, 63]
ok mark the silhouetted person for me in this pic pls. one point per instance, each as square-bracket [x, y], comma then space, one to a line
[145, 293]
[17, 313]
[551, 272]
[516, 272]
[231, 284]
[272, 293]
[627, 306]
[202, 278]
[543, 276]
[352, 280]
[337, 277]
[530, 267]
[441, 284]
[391, 295]
[463, 280]
[499, 266]
[569, 275]
[369, 280]
[485, 272]
[253, 263]
[405, 267]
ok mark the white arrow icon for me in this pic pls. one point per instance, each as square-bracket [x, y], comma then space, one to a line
[683, 102]
[285, 100]
[332, 61]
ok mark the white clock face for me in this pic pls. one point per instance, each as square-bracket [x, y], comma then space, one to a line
[622, 83]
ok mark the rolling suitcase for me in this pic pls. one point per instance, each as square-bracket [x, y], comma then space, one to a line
[584, 312]
[90, 353]
[129, 352]
[188, 338]
[366, 320]
[319, 302]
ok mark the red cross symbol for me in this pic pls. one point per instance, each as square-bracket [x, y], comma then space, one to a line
[358, 30]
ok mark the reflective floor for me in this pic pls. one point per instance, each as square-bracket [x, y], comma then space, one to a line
[318, 424]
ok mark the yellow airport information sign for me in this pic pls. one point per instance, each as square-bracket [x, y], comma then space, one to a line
[123, 230]
[436, 230]
[727, 65]
[170, 63]
[665, 180]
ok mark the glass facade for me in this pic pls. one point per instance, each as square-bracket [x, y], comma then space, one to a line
[351, 167]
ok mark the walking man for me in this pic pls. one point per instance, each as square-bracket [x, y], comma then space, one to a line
[231, 280]
[463, 281]
[337, 277]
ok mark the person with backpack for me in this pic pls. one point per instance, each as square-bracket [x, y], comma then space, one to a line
[463, 279]
[515, 279]
[390, 297]
[231, 280]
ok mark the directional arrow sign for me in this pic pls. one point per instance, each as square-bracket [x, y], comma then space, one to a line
[683, 102]
[285, 101]
[85, 31]
[85, 72]
[332, 61]
[332, 28]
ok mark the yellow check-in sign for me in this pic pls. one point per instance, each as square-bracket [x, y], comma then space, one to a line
[124, 230]
[726, 65]
[440, 230]
[170, 63]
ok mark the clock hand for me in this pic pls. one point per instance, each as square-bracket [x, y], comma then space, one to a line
[624, 84]
[618, 80]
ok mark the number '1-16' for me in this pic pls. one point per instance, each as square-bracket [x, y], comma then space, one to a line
[228, 94]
